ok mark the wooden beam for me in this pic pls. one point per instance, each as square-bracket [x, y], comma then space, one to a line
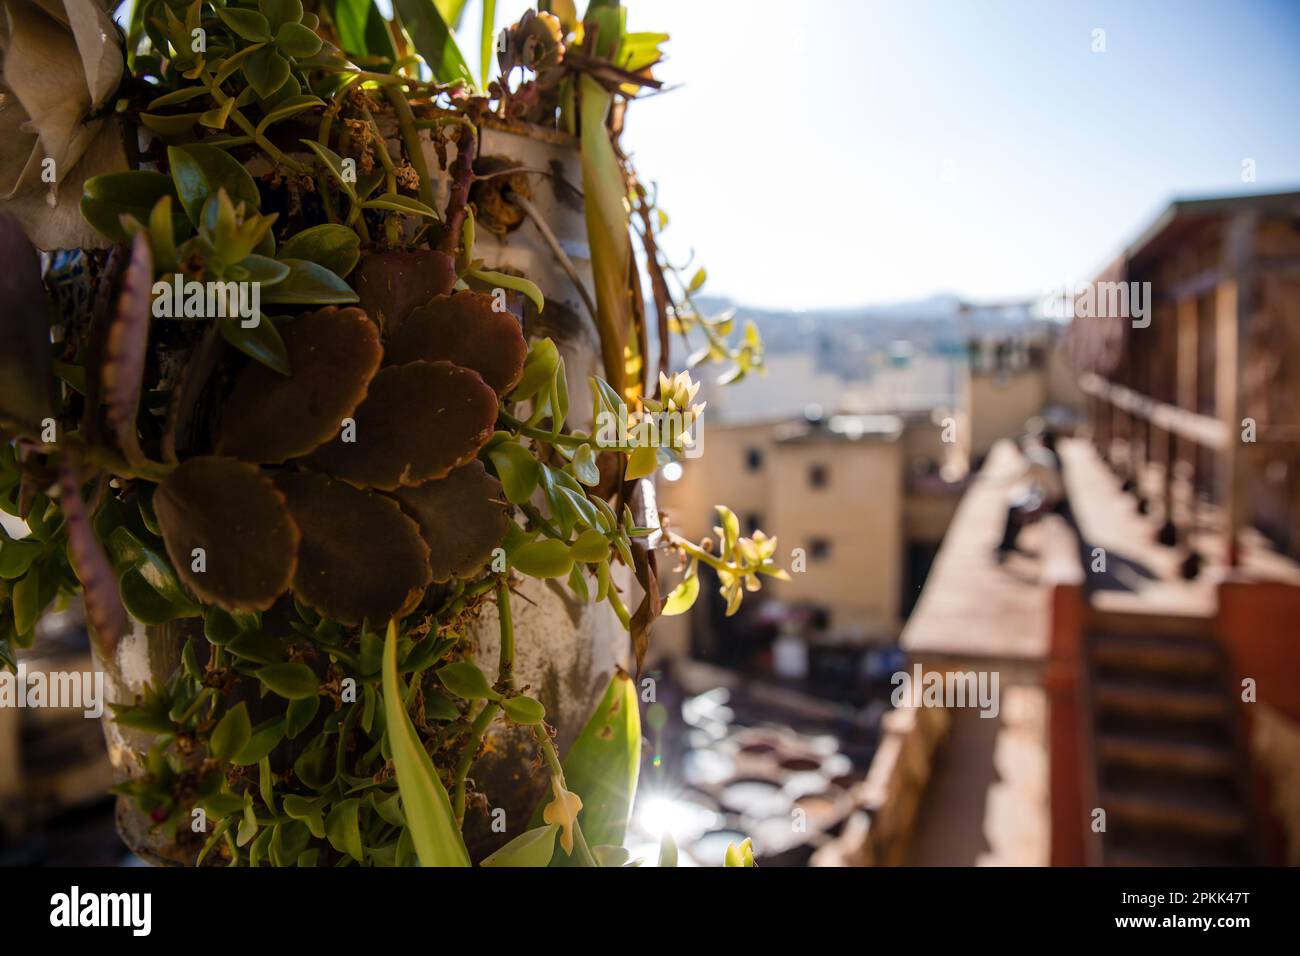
[1232, 309]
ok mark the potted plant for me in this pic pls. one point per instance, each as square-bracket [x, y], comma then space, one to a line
[301, 434]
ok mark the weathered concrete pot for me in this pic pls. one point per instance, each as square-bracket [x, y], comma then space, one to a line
[566, 651]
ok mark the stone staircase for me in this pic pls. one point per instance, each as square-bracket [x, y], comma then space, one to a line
[1169, 770]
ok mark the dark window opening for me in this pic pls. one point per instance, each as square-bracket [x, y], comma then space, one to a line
[819, 549]
[818, 476]
[753, 522]
[753, 459]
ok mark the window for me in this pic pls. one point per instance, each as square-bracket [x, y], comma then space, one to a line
[818, 476]
[753, 459]
[753, 521]
[819, 549]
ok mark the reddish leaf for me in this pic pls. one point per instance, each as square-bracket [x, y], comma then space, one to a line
[128, 341]
[232, 512]
[271, 418]
[462, 518]
[104, 608]
[391, 284]
[419, 421]
[361, 558]
[465, 329]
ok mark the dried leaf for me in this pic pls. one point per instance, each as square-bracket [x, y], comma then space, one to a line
[271, 418]
[227, 532]
[360, 557]
[419, 421]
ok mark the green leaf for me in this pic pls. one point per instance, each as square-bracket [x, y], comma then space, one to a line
[585, 468]
[308, 811]
[698, 280]
[17, 556]
[199, 171]
[309, 284]
[248, 24]
[297, 41]
[518, 283]
[434, 41]
[263, 740]
[428, 810]
[288, 107]
[532, 848]
[231, 733]
[464, 679]
[27, 601]
[539, 369]
[607, 226]
[261, 342]
[517, 470]
[134, 193]
[363, 31]
[683, 596]
[601, 767]
[524, 710]
[280, 12]
[667, 850]
[548, 558]
[396, 202]
[291, 681]
[266, 71]
[343, 830]
[331, 245]
[590, 546]
[642, 462]
[334, 163]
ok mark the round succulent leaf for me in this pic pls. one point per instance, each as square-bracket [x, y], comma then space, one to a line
[462, 518]
[270, 418]
[227, 532]
[391, 284]
[419, 421]
[360, 557]
[465, 329]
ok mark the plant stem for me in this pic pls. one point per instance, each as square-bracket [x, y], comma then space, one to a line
[505, 675]
[506, 665]
[476, 732]
[411, 137]
[523, 428]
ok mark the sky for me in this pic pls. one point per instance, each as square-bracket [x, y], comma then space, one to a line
[856, 152]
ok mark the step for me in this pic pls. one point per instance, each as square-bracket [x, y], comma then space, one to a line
[1144, 698]
[1187, 657]
[1111, 614]
[1161, 810]
[1180, 853]
[1165, 754]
